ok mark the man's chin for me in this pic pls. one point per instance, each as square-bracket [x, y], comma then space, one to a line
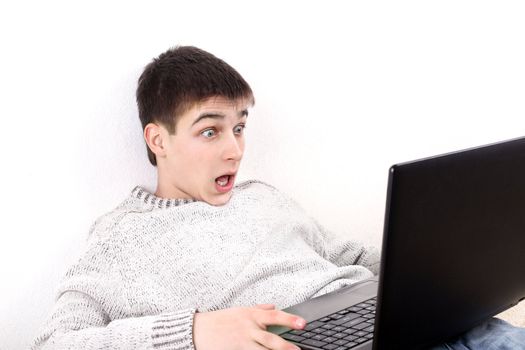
[219, 200]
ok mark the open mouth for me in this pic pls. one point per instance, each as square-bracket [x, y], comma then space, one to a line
[223, 180]
[224, 183]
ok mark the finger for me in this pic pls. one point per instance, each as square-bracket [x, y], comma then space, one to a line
[280, 318]
[265, 306]
[273, 341]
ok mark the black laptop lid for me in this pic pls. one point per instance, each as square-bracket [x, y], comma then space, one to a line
[453, 245]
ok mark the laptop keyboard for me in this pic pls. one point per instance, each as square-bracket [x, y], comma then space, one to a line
[341, 330]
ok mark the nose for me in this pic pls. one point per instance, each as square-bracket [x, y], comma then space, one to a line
[233, 147]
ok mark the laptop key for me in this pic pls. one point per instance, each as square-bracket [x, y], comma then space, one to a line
[318, 337]
[351, 337]
[340, 335]
[330, 347]
[345, 319]
[340, 342]
[361, 326]
[308, 334]
[360, 334]
[313, 325]
[354, 322]
[329, 339]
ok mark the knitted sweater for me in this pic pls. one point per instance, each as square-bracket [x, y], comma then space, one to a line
[151, 263]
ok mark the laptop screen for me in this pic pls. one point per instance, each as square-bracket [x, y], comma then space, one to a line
[453, 246]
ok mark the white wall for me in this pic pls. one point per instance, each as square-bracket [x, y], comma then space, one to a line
[343, 90]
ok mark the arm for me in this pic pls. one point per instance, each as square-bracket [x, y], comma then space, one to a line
[343, 251]
[338, 250]
[79, 322]
[80, 319]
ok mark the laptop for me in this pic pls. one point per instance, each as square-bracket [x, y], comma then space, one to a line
[453, 255]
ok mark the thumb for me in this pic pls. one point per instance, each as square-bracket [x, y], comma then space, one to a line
[265, 306]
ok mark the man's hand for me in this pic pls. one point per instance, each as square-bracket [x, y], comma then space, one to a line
[243, 328]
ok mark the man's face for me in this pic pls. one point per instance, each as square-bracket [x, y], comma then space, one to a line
[204, 154]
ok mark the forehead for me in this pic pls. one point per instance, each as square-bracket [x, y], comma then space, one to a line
[220, 103]
[219, 106]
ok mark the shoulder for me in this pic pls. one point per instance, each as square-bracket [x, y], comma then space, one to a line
[257, 187]
[261, 190]
[104, 227]
[98, 252]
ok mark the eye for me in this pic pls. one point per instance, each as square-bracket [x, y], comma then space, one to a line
[239, 129]
[208, 133]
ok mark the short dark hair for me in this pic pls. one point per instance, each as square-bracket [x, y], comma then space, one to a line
[178, 79]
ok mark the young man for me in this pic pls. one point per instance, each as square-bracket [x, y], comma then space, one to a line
[195, 264]
[199, 264]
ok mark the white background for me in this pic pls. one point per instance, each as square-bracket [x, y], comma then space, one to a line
[343, 89]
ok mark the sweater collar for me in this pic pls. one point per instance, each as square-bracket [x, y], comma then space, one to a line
[148, 198]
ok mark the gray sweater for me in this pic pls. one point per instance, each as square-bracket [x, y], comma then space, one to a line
[151, 263]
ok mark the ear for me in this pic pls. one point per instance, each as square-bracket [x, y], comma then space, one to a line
[154, 137]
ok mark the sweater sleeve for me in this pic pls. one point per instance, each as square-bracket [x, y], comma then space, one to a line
[79, 322]
[88, 313]
[342, 251]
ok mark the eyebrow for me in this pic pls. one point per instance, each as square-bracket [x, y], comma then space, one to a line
[243, 113]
